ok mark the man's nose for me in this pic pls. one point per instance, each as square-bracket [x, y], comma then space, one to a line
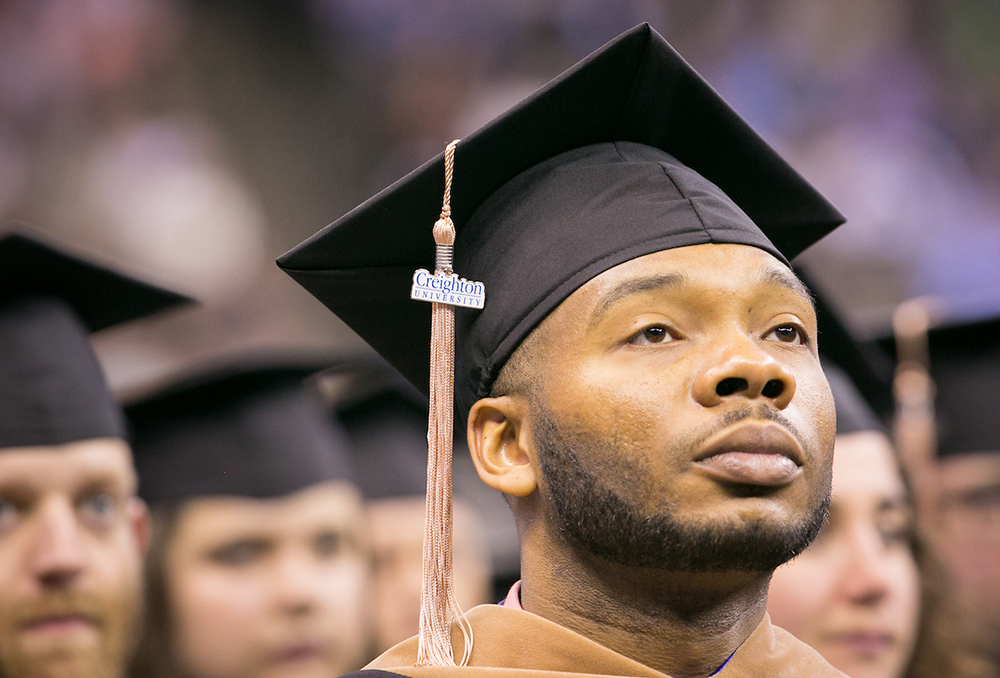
[295, 582]
[744, 371]
[59, 555]
[866, 578]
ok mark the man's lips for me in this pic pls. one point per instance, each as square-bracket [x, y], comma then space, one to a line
[58, 623]
[752, 453]
[297, 652]
[864, 642]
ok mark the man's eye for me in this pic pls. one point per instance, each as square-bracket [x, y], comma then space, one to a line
[100, 507]
[896, 530]
[787, 334]
[896, 537]
[655, 334]
[8, 513]
[239, 553]
[328, 544]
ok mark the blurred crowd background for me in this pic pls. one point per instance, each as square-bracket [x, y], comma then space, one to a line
[193, 141]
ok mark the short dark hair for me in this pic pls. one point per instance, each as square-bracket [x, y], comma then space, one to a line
[155, 654]
[518, 375]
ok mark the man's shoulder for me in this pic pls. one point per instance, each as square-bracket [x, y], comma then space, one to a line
[512, 642]
[771, 651]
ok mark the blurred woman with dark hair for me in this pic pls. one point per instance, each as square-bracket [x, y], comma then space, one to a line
[867, 594]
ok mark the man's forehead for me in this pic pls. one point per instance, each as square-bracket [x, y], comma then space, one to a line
[961, 473]
[68, 463]
[708, 265]
[331, 504]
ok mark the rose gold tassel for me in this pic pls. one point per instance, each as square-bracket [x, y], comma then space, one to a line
[438, 604]
[914, 427]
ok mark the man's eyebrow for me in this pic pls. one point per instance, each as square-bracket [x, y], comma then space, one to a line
[897, 501]
[103, 480]
[783, 278]
[634, 286]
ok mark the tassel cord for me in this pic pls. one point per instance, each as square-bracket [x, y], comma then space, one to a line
[439, 606]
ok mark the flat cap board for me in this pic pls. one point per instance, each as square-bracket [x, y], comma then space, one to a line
[36, 266]
[965, 366]
[52, 389]
[627, 153]
[243, 427]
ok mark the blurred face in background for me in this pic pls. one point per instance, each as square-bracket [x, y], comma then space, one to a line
[854, 595]
[72, 534]
[269, 588]
[397, 531]
[969, 540]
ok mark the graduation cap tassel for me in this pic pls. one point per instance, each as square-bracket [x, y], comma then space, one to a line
[438, 605]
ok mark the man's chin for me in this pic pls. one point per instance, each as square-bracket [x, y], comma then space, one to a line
[608, 526]
[75, 660]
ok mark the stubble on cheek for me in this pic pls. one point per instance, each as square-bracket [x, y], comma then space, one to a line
[103, 653]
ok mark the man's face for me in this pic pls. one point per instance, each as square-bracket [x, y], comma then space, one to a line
[268, 588]
[71, 540]
[681, 417]
[969, 539]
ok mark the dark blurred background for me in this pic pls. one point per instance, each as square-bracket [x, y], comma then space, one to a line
[193, 141]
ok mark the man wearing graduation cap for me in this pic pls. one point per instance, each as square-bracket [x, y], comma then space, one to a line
[72, 530]
[641, 381]
[259, 563]
[965, 367]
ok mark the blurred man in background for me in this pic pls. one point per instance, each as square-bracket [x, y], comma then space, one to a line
[965, 367]
[260, 558]
[72, 531]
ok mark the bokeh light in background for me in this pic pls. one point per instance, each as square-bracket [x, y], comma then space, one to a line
[193, 141]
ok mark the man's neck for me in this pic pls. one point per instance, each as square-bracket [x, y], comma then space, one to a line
[684, 625]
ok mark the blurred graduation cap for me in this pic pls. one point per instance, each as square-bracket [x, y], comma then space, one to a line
[854, 411]
[385, 418]
[244, 427]
[627, 153]
[964, 360]
[860, 372]
[52, 389]
[386, 424]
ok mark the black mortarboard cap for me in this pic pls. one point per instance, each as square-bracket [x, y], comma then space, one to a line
[52, 389]
[246, 427]
[965, 366]
[627, 153]
[854, 412]
[388, 433]
[860, 372]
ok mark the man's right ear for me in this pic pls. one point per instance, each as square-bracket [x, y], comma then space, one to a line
[501, 445]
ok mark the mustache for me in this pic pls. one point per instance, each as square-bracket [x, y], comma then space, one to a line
[760, 412]
[59, 604]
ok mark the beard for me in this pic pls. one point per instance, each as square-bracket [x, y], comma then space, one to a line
[99, 652]
[595, 510]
